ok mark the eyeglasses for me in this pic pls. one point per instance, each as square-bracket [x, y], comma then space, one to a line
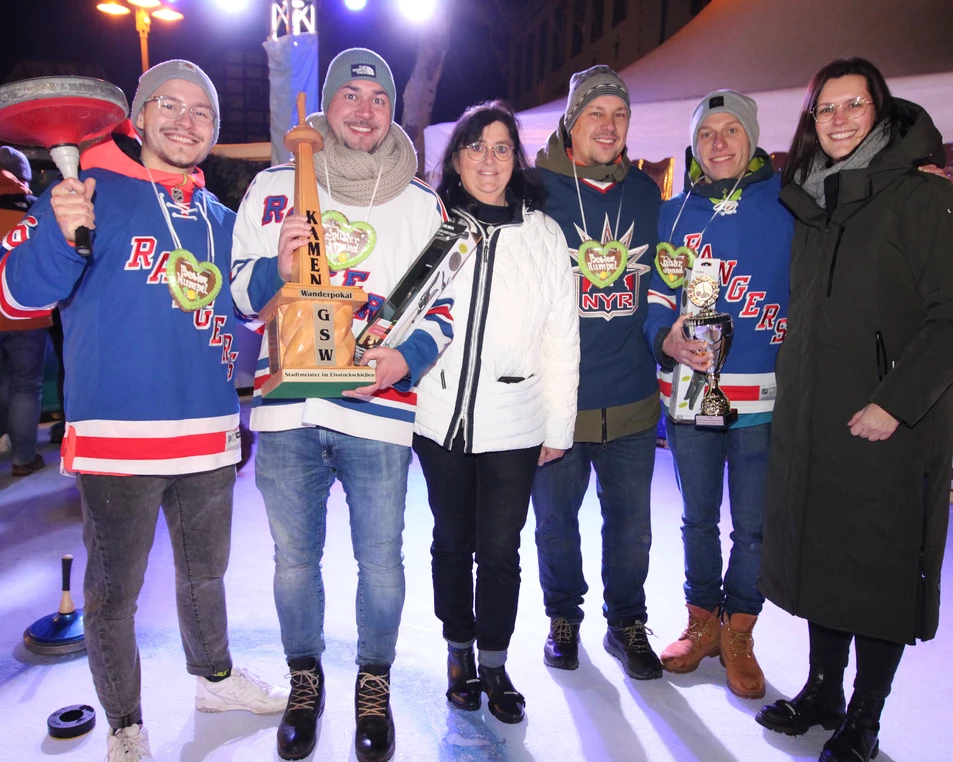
[855, 109]
[478, 151]
[173, 108]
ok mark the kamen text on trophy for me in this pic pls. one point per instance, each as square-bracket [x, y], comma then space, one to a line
[715, 329]
[310, 342]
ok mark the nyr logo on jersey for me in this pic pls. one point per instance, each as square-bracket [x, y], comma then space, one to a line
[619, 298]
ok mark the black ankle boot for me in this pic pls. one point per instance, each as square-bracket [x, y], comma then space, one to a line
[504, 701]
[629, 643]
[820, 702]
[374, 739]
[296, 732]
[856, 738]
[562, 645]
[464, 690]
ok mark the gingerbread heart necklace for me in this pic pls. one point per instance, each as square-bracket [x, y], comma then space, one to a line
[193, 284]
[674, 263]
[348, 243]
[601, 263]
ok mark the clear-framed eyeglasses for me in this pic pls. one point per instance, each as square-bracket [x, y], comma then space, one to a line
[855, 109]
[173, 108]
[478, 151]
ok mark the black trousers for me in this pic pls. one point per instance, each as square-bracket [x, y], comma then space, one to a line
[877, 660]
[479, 504]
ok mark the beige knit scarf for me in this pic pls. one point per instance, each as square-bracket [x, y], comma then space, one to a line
[353, 174]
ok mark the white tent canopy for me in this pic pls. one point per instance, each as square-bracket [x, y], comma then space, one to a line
[769, 49]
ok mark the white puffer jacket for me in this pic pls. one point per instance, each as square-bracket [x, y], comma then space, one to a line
[508, 380]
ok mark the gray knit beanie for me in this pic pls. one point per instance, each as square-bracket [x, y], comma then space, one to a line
[739, 105]
[161, 73]
[586, 86]
[358, 63]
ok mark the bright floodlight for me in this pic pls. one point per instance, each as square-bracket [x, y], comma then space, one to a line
[417, 10]
[113, 8]
[355, 5]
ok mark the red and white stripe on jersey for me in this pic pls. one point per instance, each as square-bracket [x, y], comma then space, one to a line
[10, 307]
[151, 447]
[748, 392]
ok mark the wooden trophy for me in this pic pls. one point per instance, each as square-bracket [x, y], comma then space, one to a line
[310, 344]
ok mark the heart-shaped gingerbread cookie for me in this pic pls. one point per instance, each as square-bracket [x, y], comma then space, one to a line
[673, 264]
[602, 263]
[193, 284]
[346, 243]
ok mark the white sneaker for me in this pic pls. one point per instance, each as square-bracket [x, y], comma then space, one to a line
[240, 690]
[128, 745]
[5, 445]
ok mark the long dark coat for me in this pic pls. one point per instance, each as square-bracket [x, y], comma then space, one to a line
[854, 531]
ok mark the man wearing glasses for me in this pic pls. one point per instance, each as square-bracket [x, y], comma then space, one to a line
[151, 408]
[608, 210]
[365, 175]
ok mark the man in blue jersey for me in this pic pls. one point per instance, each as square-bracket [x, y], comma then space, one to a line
[365, 174]
[151, 408]
[608, 211]
[728, 211]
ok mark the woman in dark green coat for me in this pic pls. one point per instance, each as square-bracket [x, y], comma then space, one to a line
[857, 501]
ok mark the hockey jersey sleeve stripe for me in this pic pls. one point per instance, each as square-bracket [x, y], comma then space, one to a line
[663, 300]
[9, 306]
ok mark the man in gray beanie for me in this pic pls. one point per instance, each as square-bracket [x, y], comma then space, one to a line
[728, 211]
[608, 210]
[152, 412]
[365, 175]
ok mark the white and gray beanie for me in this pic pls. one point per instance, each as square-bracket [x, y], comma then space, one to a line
[739, 105]
[161, 73]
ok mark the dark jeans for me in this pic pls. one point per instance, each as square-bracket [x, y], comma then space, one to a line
[624, 480]
[22, 355]
[877, 660]
[119, 523]
[699, 457]
[479, 505]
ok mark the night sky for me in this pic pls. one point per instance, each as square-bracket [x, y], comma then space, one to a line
[74, 31]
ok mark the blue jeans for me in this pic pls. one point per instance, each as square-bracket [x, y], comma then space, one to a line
[22, 356]
[119, 524]
[699, 456]
[294, 471]
[624, 480]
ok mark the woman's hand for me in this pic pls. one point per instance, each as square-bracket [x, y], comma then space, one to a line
[873, 423]
[693, 353]
[547, 454]
[390, 368]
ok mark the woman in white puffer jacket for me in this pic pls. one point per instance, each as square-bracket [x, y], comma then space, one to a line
[499, 401]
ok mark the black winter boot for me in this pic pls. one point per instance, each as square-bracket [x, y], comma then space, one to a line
[820, 702]
[856, 739]
[296, 732]
[374, 739]
[630, 645]
[504, 701]
[463, 684]
[562, 645]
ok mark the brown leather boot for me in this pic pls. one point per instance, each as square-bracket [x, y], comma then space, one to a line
[700, 639]
[745, 678]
